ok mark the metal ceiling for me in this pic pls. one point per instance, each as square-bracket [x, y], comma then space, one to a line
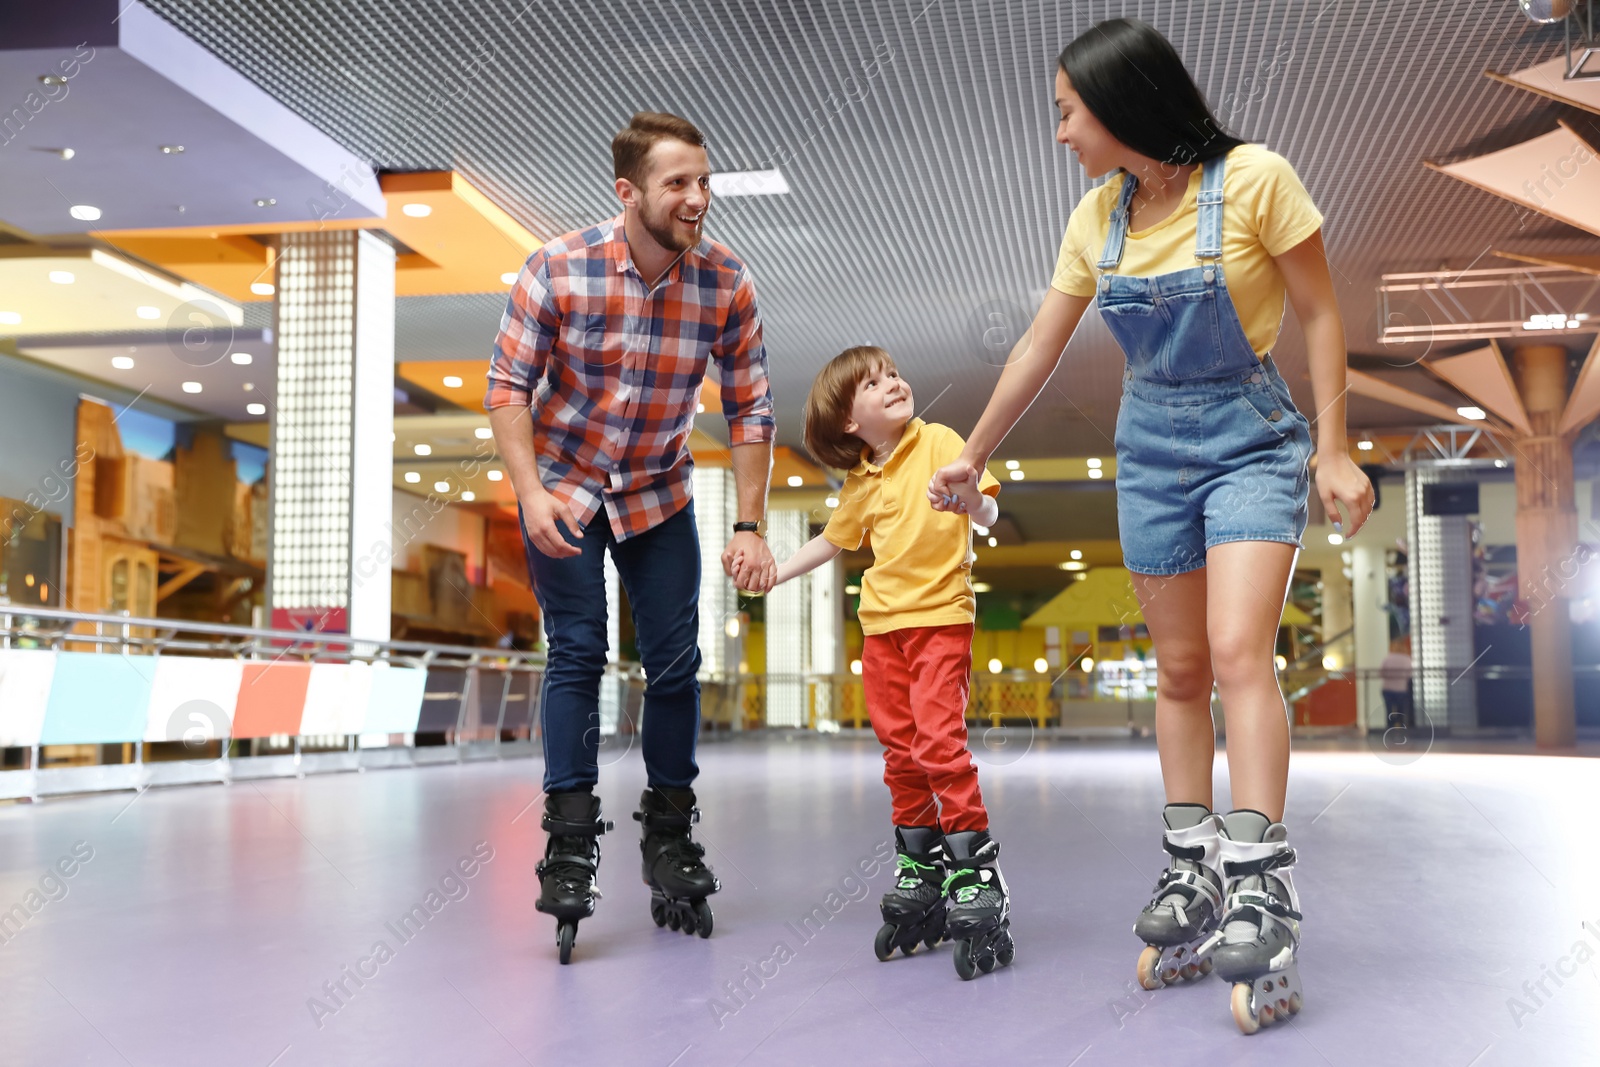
[917, 136]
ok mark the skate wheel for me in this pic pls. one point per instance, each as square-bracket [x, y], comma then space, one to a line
[883, 944]
[688, 922]
[1295, 1003]
[674, 920]
[1008, 951]
[1243, 1017]
[702, 918]
[986, 962]
[566, 934]
[932, 940]
[966, 966]
[658, 913]
[1149, 968]
[909, 949]
[1205, 967]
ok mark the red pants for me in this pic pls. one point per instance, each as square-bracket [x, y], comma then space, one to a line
[916, 683]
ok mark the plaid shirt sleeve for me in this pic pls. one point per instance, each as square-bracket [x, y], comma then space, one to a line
[742, 364]
[527, 331]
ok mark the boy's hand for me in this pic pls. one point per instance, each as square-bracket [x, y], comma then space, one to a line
[944, 486]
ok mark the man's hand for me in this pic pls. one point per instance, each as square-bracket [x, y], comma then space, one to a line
[541, 511]
[748, 561]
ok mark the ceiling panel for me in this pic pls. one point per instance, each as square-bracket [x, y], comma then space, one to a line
[928, 193]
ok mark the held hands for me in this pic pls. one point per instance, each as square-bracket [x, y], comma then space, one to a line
[955, 488]
[1340, 481]
[748, 561]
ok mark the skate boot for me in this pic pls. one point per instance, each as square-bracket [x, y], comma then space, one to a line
[1260, 933]
[674, 866]
[567, 886]
[1187, 903]
[914, 910]
[978, 908]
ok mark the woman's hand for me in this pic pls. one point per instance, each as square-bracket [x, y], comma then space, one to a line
[942, 487]
[1340, 481]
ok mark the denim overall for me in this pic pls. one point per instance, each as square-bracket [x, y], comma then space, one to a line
[1210, 448]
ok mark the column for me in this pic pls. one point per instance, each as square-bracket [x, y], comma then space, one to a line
[827, 640]
[788, 626]
[1547, 537]
[332, 421]
[1440, 573]
[1369, 600]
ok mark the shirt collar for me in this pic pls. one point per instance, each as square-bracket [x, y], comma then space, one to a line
[866, 466]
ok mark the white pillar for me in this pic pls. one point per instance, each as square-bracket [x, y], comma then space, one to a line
[788, 626]
[716, 509]
[332, 416]
[827, 637]
[1439, 572]
[1370, 584]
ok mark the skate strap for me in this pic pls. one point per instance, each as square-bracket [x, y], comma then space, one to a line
[651, 820]
[566, 859]
[1192, 853]
[1174, 879]
[1246, 900]
[1244, 868]
[575, 828]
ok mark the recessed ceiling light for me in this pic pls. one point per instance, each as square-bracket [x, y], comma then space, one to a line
[441, 487]
[10, 318]
[749, 183]
[981, 587]
[262, 288]
[1476, 414]
[509, 278]
[1012, 464]
[452, 381]
[1076, 553]
[468, 495]
[256, 409]
[699, 409]
[85, 212]
[1093, 462]
[495, 476]
[243, 359]
[1072, 565]
[1096, 472]
[1017, 476]
[192, 387]
[994, 543]
[147, 312]
[832, 501]
[1335, 539]
[172, 149]
[417, 211]
[483, 433]
[249, 386]
[422, 450]
[62, 277]
[266, 201]
[413, 477]
[122, 362]
[795, 481]
[1364, 445]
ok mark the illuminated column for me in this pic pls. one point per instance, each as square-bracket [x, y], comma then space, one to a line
[788, 626]
[1440, 580]
[716, 509]
[827, 635]
[1370, 582]
[332, 422]
[1547, 538]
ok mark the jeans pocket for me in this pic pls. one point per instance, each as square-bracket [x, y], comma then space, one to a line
[1269, 411]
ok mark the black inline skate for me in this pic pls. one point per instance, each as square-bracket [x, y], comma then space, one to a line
[914, 910]
[674, 865]
[571, 861]
[1187, 903]
[978, 905]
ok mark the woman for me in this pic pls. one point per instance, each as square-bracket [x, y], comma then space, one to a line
[1189, 249]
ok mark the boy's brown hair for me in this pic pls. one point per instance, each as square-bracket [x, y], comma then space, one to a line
[631, 147]
[829, 402]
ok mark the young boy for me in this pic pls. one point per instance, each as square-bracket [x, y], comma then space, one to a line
[917, 611]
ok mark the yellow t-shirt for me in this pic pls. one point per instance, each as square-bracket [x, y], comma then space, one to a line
[921, 573]
[1265, 212]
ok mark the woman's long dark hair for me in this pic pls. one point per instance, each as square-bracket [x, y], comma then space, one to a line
[1131, 78]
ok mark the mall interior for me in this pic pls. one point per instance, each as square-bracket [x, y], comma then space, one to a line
[271, 658]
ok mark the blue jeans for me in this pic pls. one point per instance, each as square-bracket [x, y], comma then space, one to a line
[660, 569]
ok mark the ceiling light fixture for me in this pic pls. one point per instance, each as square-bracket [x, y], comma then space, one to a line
[483, 433]
[243, 359]
[1476, 414]
[1094, 463]
[413, 477]
[192, 387]
[422, 450]
[1095, 473]
[495, 476]
[468, 495]
[1016, 476]
[10, 318]
[263, 288]
[509, 278]
[63, 277]
[441, 487]
[122, 362]
[147, 312]
[749, 183]
[795, 481]
[417, 211]
[831, 501]
[256, 409]
[452, 381]
[84, 212]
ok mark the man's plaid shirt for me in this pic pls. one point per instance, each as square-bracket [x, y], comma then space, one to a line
[612, 370]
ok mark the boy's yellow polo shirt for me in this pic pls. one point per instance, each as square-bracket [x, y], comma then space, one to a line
[921, 573]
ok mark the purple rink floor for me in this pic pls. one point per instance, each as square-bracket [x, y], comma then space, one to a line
[199, 925]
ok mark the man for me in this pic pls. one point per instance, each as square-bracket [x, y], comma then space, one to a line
[593, 387]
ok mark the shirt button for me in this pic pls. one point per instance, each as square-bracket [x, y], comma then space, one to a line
[1275, 415]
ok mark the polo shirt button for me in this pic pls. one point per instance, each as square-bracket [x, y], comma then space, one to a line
[1275, 416]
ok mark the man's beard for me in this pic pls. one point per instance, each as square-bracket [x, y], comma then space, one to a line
[666, 234]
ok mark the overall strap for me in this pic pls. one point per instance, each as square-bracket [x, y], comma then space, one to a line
[1117, 235]
[1208, 225]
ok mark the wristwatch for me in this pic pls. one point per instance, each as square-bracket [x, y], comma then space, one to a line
[750, 527]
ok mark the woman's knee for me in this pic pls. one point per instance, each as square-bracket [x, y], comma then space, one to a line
[1239, 663]
[1184, 674]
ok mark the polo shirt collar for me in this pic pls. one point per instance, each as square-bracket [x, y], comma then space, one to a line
[866, 466]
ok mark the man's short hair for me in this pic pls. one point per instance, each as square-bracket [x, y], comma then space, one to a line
[631, 147]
